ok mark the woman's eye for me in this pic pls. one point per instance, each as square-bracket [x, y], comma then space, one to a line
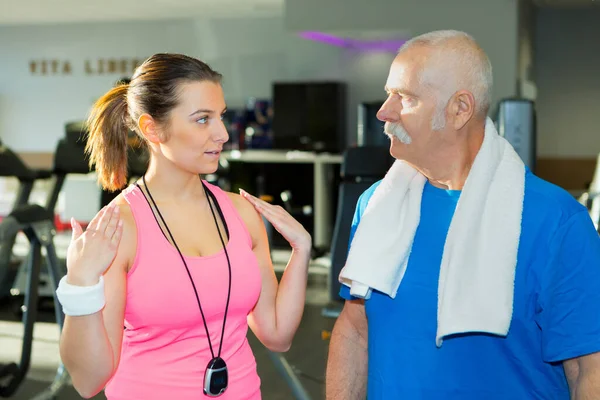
[202, 120]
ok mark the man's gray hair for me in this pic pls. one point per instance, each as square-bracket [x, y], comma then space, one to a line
[456, 63]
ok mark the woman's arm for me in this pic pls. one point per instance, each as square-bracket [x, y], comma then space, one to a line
[277, 314]
[90, 345]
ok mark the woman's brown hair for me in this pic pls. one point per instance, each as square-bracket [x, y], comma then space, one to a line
[153, 90]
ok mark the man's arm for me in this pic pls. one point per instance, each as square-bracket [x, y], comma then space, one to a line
[583, 375]
[348, 358]
[568, 304]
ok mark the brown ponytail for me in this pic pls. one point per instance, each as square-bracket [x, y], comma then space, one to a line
[108, 127]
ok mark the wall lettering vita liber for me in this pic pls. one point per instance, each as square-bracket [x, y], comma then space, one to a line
[100, 66]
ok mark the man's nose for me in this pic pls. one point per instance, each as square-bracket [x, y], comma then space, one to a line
[390, 110]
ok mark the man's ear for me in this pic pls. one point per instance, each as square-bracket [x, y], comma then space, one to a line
[461, 109]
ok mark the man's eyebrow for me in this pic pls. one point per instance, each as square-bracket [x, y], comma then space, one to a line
[399, 90]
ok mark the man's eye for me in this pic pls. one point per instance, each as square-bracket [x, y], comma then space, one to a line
[408, 102]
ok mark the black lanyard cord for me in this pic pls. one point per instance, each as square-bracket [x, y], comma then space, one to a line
[209, 196]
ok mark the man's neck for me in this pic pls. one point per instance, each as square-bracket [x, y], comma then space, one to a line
[450, 169]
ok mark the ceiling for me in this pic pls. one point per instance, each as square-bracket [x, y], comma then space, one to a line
[29, 12]
[22, 12]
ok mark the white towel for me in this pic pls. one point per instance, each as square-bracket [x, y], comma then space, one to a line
[476, 283]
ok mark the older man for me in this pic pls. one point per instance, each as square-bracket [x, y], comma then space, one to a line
[467, 277]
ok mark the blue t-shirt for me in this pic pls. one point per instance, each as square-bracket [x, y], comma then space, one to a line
[556, 313]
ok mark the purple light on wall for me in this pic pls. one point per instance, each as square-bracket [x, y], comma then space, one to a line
[323, 38]
[363, 45]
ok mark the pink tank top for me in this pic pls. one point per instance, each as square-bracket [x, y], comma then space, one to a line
[165, 350]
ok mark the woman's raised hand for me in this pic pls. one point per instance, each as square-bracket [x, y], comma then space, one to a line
[290, 229]
[90, 253]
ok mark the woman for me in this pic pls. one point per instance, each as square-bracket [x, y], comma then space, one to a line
[182, 265]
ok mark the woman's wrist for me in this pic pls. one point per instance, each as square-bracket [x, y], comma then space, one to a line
[83, 280]
[302, 250]
[303, 245]
[79, 300]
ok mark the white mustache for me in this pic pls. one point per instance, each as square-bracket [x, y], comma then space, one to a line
[398, 131]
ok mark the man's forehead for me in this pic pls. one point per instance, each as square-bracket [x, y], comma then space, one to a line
[403, 74]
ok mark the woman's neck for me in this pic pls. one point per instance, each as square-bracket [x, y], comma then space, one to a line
[167, 182]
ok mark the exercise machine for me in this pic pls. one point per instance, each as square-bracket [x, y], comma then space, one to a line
[516, 121]
[11, 166]
[69, 158]
[361, 168]
[289, 375]
[37, 223]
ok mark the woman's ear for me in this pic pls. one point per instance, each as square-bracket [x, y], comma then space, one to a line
[149, 128]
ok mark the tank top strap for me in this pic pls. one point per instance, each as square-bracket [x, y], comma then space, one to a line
[142, 213]
[235, 224]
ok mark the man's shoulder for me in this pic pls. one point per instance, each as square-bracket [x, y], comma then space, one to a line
[364, 198]
[547, 199]
[368, 193]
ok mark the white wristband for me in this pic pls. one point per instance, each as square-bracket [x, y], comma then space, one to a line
[80, 300]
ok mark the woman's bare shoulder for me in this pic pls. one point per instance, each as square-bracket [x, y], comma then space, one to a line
[128, 244]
